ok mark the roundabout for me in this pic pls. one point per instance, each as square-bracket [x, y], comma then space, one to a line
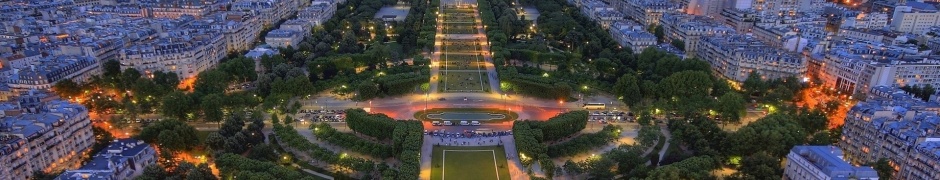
[484, 115]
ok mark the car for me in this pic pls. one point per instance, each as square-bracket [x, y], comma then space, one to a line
[475, 123]
[441, 99]
[448, 123]
[435, 123]
[464, 123]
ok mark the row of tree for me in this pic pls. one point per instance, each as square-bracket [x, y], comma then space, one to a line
[378, 126]
[407, 138]
[234, 137]
[562, 125]
[585, 142]
[245, 168]
[289, 136]
[350, 142]
[923, 92]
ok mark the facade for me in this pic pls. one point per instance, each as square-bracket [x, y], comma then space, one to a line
[648, 12]
[123, 159]
[318, 12]
[914, 17]
[895, 126]
[741, 19]
[283, 38]
[43, 74]
[688, 29]
[185, 53]
[601, 12]
[823, 163]
[633, 36]
[734, 57]
[42, 136]
[859, 67]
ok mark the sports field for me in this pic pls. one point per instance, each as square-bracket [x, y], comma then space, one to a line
[469, 163]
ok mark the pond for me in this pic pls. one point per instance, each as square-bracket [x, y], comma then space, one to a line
[466, 116]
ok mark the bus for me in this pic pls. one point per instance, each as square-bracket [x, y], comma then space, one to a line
[595, 106]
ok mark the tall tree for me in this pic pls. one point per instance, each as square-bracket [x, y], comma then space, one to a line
[67, 88]
[627, 89]
[211, 106]
[177, 105]
[760, 165]
[732, 107]
[754, 84]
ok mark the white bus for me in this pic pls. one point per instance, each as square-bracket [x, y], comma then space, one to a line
[595, 106]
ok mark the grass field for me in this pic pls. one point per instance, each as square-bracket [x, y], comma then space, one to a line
[460, 28]
[470, 163]
[462, 62]
[465, 81]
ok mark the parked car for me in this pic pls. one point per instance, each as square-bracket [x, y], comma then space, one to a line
[464, 123]
[435, 123]
[475, 123]
[448, 123]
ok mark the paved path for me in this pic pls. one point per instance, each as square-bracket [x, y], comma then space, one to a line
[627, 136]
[312, 172]
[668, 137]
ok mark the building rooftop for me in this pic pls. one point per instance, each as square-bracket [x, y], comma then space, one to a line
[828, 159]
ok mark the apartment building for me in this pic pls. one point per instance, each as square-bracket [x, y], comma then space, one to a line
[734, 57]
[648, 12]
[914, 17]
[688, 29]
[632, 35]
[46, 137]
[894, 126]
[823, 163]
[186, 53]
[601, 12]
[283, 38]
[317, 13]
[122, 159]
[858, 67]
[43, 74]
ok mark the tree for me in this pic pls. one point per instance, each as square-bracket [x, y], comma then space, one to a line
[177, 105]
[627, 89]
[153, 172]
[883, 166]
[760, 165]
[211, 106]
[775, 134]
[732, 107]
[171, 134]
[367, 90]
[67, 88]
[927, 91]
[754, 84]
[211, 81]
[660, 33]
[215, 141]
[112, 68]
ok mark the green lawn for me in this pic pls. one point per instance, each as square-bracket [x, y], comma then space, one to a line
[470, 163]
[202, 135]
[464, 81]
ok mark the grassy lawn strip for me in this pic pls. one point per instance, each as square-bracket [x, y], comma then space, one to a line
[422, 115]
[469, 163]
[350, 142]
